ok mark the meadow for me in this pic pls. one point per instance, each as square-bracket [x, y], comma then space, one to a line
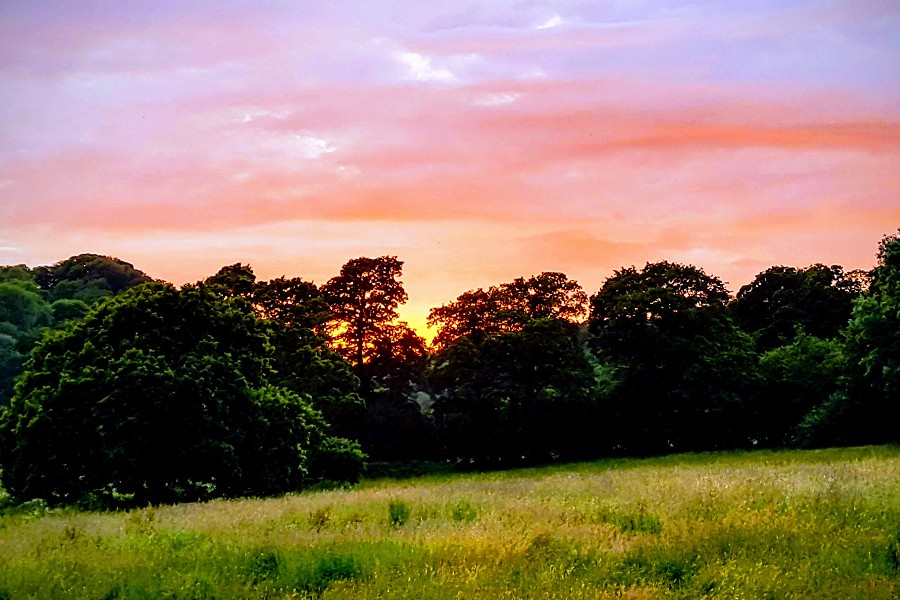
[766, 524]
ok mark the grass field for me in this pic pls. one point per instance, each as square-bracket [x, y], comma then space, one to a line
[792, 524]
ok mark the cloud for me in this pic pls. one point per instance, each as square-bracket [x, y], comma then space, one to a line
[298, 136]
[500, 99]
[554, 21]
[420, 68]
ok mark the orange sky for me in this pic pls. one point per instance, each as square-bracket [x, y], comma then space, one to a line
[477, 144]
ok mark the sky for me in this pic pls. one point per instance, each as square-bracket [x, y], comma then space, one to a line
[477, 141]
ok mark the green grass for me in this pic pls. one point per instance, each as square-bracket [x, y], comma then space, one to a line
[792, 524]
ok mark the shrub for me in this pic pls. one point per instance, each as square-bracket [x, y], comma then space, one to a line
[316, 577]
[265, 565]
[398, 513]
[464, 511]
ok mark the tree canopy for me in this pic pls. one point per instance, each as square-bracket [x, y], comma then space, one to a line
[865, 407]
[518, 396]
[158, 395]
[295, 313]
[683, 368]
[131, 391]
[364, 299]
[480, 313]
[780, 301]
[88, 277]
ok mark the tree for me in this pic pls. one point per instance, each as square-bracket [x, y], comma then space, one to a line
[294, 303]
[684, 371]
[235, 280]
[88, 277]
[865, 407]
[783, 300]
[295, 314]
[32, 301]
[24, 315]
[508, 307]
[797, 378]
[157, 395]
[550, 295]
[520, 396]
[363, 299]
[472, 315]
[395, 426]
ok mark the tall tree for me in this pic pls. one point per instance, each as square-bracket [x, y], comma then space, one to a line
[294, 312]
[364, 299]
[516, 396]
[684, 369]
[797, 378]
[395, 426]
[293, 302]
[548, 295]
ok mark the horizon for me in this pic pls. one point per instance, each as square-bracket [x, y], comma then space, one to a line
[477, 145]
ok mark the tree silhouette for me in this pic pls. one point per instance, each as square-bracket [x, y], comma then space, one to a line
[363, 300]
[478, 314]
[782, 300]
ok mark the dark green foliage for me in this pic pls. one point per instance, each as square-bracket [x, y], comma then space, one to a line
[295, 303]
[866, 406]
[24, 315]
[782, 300]
[797, 378]
[387, 356]
[395, 427]
[681, 372]
[66, 309]
[235, 280]
[336, 459]
[302, 363]
[518, 396]
[88, 277]
[463, 511]
[264, 565]
[158, 395]
[294, 313]
[32, 301]
[640, 568]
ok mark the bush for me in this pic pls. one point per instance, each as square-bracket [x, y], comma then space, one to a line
[398, 513]
[464, 511]
[336, 459]
[316, 578]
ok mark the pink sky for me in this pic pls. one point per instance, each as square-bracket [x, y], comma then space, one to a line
[478, 144]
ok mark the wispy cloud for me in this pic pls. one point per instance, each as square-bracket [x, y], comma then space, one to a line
[420, 68]
[554, 21]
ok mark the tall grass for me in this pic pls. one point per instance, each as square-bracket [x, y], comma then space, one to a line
[820, 524]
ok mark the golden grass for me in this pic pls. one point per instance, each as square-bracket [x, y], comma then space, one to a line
[792, 524]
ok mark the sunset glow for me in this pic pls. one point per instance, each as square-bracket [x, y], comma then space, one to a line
[477, 144]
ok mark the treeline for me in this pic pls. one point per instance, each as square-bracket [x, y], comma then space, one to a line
[121, 390]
